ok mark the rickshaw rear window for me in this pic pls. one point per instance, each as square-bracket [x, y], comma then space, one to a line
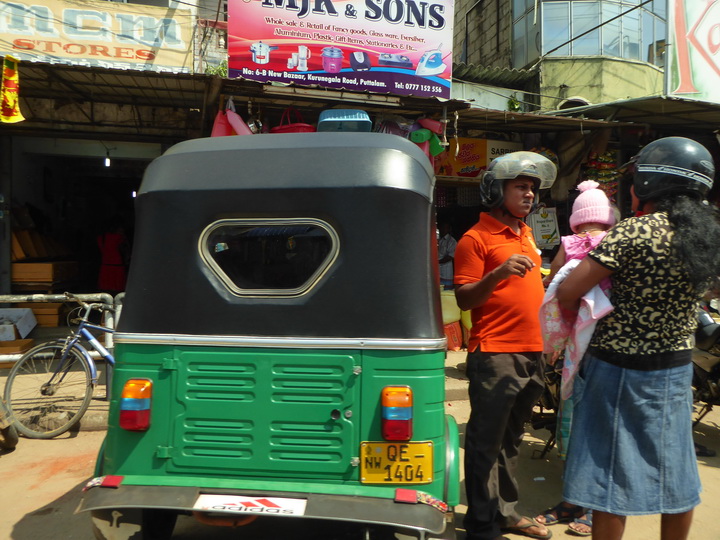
[269, 257]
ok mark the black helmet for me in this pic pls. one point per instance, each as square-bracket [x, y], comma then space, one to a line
[673, 165]
[510, 166]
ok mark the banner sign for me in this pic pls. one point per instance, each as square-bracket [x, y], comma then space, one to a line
[470, 157]
[385, 46]
[693, 65]
[10, 92]
[98, 34]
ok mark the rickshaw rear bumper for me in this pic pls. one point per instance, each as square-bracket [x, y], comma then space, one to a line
[421, 517]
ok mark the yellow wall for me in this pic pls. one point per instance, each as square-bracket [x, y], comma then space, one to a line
[596, 79]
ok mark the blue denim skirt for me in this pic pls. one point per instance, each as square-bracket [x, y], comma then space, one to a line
[631, 450]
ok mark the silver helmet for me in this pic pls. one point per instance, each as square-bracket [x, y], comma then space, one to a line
[509, 167]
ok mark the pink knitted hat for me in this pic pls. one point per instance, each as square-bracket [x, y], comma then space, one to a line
[591, 206]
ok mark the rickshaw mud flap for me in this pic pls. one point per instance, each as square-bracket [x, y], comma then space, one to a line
[370, 510]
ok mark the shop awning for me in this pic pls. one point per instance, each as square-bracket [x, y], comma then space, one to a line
[66, 83]
[669, 114]
[492, 120]
[78, 83]
[280, 97]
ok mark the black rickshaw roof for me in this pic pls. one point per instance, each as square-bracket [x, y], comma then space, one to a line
[372, 192]
[332, 152]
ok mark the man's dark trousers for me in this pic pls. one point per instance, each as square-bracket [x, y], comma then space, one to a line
[504, 388]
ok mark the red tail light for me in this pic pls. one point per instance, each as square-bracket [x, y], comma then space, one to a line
[135, 405]
[397, 413]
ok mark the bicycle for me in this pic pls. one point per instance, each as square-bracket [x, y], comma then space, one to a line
[50, 387]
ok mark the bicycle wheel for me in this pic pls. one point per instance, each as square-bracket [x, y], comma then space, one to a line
[46, 396]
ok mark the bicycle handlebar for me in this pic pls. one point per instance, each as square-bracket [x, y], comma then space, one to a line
[93, 306]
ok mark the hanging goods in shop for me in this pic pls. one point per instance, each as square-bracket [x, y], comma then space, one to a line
[286, 126]
[228, 122]
[422, 137]
[344, 120]
[253, 121]
[436, 147]
[436, 126]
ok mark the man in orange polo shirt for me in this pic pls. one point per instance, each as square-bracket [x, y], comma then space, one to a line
[497, 276]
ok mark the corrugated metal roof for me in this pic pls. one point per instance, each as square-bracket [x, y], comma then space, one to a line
[79, 83]
[492, 120]
[516, 79]
[66, 82]
[672, 114]
[203, 92]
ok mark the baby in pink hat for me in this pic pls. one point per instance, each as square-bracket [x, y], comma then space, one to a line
[591, 218]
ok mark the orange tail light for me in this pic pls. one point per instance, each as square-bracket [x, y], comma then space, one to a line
[135, 405]
[397, 413]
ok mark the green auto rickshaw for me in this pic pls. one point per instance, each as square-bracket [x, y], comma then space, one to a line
[280, 353]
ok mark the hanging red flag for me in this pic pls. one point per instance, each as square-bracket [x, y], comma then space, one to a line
[10, 92]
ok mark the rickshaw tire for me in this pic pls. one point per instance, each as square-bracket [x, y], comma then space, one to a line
[451, 488]
[448, 534]
[158, 524]
[9, 438]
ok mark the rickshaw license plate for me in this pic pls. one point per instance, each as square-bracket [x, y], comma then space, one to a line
[396, 463]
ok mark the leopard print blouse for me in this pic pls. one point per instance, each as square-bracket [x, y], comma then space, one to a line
[655, 304]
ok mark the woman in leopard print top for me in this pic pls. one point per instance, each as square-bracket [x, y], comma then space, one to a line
[631, 450]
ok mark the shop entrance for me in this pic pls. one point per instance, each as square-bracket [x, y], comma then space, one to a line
[61, 204]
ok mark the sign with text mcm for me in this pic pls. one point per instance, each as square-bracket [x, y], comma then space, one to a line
[98, 34]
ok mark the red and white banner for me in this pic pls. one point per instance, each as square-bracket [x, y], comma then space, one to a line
[693, 66]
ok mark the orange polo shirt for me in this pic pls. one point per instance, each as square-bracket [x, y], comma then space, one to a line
[509, 320]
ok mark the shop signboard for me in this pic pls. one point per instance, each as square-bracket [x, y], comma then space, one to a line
[468, 157]
[693, 62]
[399, 47]
[98, 34]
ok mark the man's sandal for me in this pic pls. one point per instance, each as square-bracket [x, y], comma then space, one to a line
[523, 530]
[560, 513]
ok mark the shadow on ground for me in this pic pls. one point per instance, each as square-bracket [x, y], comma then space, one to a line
[56, 520]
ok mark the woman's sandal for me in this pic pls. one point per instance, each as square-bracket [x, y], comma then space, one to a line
[584, 520]
[561, 513]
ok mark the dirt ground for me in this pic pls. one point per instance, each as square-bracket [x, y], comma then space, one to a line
[42, 481]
